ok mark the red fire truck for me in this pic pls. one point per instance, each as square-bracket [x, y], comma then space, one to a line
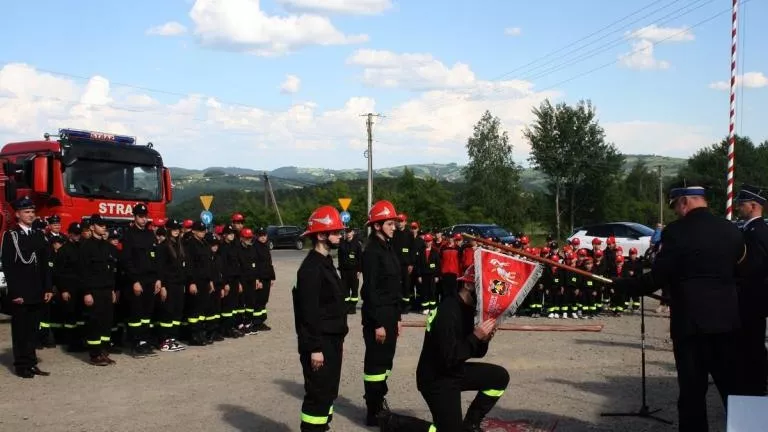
[77, 173]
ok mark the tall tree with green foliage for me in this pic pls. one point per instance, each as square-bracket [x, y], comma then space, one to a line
[568, 145]
[493, 179]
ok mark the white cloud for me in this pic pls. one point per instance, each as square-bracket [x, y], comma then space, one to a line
[513, 31]
[643, 42]
[655, 33]
[291, 84]
[241, 25]
[171, 28]
[357, 7]
[641, 57]
[748, 80]
[665, 138]
[410, 70]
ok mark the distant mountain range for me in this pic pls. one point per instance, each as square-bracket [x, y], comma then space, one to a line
[189, 183]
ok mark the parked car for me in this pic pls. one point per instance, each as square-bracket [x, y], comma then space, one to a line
[484, 230]
[285, 236]
[628, 235]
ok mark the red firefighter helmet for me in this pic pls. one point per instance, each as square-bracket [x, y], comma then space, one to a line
[188, 223]
[575, 242]
[469, 275]
[324, 219]
[619, 259]
[528, 250]
[567, 248]
[219, 230]
[598, 254]
[570, 256]
[428, 238]
[524, 240]
[611, 240]
[596, 242]
[238, 217]
[161, 222]
[382, 211]
[535, 251]
[457, 237]
[402, 217]
[633, 251]
[582, 253]
[246, 233]
[545, 251]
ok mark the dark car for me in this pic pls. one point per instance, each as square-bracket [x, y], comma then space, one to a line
[285, 236]
[484, 230]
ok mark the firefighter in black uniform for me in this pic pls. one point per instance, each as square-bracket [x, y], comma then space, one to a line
[443, 372]
[214, 331]
[382, 291]
[428, 274]
[230, 276]
[98, 262]
[703, 287]
[56, 322]
[350, 255]
[172, 259]
[200, 284]
[321, 320]
[402, 243]
[24, 254]
[50, 328]
[140, 264]
[67, 281]
[246, 254]
[753, 297]
[266, 278]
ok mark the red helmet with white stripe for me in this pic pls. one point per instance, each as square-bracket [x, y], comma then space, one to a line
[382, 211]
[324, 219]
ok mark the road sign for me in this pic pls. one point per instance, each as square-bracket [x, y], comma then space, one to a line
[207, 200]
[344, 203]
[346, 217]
[206, 217]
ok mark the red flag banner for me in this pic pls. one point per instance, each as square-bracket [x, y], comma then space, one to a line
[502, 282]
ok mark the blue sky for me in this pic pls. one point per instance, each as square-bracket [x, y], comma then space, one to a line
[202, 79]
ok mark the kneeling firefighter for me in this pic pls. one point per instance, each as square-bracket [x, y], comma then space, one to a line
[321, 319]
[443, 371]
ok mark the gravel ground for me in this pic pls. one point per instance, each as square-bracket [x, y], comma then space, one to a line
[560, 381]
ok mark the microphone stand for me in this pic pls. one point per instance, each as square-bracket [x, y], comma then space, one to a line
[644, 411]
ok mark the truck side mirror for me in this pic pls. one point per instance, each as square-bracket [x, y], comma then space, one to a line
[167, 185]
[40, 175]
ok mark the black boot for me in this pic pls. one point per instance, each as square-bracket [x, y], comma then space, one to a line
[376, 410]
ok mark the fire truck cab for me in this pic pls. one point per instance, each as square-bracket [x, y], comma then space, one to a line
[77, 173]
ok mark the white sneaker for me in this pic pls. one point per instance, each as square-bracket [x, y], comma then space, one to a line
[177, 346]
[574, 315]
[551, 315]
[425, 312]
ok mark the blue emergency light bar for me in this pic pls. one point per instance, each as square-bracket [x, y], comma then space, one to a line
[95, 136]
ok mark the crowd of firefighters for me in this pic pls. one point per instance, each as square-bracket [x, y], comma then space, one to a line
[432, 261]
[154, 285]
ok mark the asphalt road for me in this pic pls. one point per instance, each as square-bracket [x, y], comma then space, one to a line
[559, 380]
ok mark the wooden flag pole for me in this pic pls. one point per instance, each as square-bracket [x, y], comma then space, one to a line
[537, 258]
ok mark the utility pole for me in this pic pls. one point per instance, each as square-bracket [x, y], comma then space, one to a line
[268, 189]
[369, 155]
[661, 195]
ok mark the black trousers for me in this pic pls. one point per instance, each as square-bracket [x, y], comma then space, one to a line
[696, 357]
[25, 326]
[248, 300]
[444, 400]
[321, 387]
[196, 306]
[262, 298]
[228, 309]
[171, 312]
[351, 284]
[98, 324]
[140, 309]
[377, 364]
[755, 357]
[70, 315]
[213, 312]
[427, 291]
[406, 283]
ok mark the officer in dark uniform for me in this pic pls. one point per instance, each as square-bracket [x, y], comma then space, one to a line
[200, 286]
[350, 255]
[321, 320]
[703, 287]
[141, 269]
[753, 297]
[69, 308]
[402, 242]
[24, 254]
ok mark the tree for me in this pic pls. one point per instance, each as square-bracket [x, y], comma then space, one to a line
[568, 145]
[492, 177]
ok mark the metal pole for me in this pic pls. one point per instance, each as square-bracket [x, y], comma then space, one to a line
[661, 197]
[369, 155]
[732, 125]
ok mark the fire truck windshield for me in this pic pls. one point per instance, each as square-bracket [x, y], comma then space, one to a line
[114, 180]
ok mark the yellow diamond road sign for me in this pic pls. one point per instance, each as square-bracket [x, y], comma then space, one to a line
[207, 200]
[345, 202]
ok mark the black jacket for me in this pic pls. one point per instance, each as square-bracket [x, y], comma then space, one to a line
[139, 255]
[753, 296]
[403, 245]
[66, 266]
[381, 290]
[172, 258]
[701, 274]
[199, 263]
[230, 263]
[428, 266]
[350, 255]
[448, 343]
[318, 303]
[98, 265]
[264, 269]
[248, 258]
[28, 281]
